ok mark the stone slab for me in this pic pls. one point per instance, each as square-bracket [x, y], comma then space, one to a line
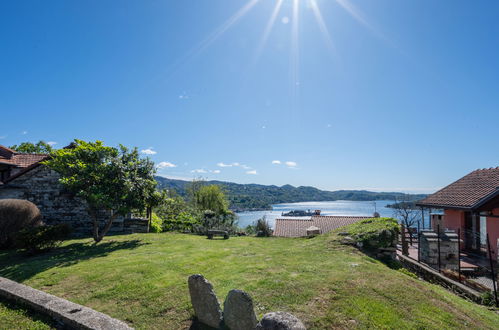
[204, 301]
[238, 311]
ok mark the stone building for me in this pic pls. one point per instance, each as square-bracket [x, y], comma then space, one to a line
[22, 176]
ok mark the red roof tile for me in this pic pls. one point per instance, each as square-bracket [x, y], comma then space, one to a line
[468, 192]
[298, 227]
[22, 160]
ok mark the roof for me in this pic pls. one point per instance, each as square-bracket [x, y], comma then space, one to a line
[298, 227]
[22, 160]
[469, 192]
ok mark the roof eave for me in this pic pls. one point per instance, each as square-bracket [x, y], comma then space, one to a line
[444, 206]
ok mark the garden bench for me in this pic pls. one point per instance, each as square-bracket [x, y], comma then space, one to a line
[223, 233]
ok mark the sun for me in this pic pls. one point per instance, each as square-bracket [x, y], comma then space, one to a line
[293, 21]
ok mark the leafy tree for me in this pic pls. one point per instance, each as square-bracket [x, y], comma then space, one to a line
[113, 179]
[41, 147]
[211, 198]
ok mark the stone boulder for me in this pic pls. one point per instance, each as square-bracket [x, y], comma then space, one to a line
[204, 301]
[280, 321]
[238, 311]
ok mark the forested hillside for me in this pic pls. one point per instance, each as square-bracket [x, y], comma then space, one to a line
[256, 196]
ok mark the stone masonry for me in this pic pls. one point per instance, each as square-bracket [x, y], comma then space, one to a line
[449, 249]
[41, 187]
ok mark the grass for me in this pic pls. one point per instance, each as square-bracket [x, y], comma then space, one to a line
[14, 317]
[142, 279]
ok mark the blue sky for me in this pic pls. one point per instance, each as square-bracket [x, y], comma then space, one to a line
[380, 95]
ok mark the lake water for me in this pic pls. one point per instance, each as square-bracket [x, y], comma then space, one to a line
[327, 208]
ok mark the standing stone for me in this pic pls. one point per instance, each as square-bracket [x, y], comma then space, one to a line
[280, 321]
[238, 311]
[205, 302]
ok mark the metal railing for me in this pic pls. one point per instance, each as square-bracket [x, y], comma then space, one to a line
[483, 274]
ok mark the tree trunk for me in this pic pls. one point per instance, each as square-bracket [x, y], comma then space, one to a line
[95, 223]
[98, 236]
[106, 228]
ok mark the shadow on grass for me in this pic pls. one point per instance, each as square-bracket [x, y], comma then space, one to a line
[20, 267]
[196, 325]
[27, 312]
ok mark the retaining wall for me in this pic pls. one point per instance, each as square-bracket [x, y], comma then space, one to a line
[70, 315]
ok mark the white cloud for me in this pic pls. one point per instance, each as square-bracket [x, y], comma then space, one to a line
[24, 132]
[224, 165]
[165, 165]
[51, 143]
[200, 170]
[215, 171]
[291, 164]
[252, 172]
[235, 164]
[276, 162]
[148, 151]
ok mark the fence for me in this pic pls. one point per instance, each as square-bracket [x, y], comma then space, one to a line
[448, 252]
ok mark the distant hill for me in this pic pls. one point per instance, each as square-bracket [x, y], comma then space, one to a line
[245, 197]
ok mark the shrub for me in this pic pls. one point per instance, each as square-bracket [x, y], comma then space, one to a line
[42, 238]
[488, 298]
[250, 230]
[262, 228]
[374, 233]
[15, 215]
[156, 224]
[184, 222]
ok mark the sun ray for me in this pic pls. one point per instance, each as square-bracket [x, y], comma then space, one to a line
[200, 47]
[322, 25]
[295, 50]
[268, 29]
[231, 21]
[359, 17]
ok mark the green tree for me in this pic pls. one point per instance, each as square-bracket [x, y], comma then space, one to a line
[113, 179]
[41, 147]
[211, 198]
[212, 202]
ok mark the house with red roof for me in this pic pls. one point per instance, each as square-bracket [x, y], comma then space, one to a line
[324, 224]
[470, 206]
[24, 176]
[12, 162]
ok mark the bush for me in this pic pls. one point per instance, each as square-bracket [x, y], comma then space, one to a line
[250, 230]
[183, 222]
[374, 233]
[262, 228]
[35, 240]
[156, 224]
[16, 215]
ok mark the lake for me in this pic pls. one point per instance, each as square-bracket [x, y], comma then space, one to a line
[356, 208]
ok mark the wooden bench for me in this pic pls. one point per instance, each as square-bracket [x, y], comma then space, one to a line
[212, 233]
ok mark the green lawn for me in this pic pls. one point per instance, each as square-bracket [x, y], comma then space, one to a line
[142, 279]
[14, 317]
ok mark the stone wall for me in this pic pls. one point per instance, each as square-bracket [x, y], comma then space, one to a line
[433, 276]
[449, 249]
[41, 186]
